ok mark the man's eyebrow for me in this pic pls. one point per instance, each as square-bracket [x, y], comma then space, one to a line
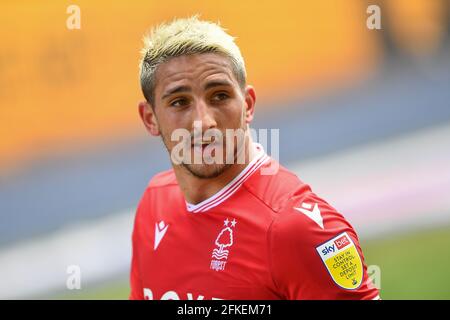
[217, 83]
[176, 90]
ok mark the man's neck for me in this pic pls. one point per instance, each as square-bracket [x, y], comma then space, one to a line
[196, 190]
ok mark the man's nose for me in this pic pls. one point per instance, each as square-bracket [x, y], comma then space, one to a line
[205, 115]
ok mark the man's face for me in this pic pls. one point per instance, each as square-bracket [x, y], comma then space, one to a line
[200, 89]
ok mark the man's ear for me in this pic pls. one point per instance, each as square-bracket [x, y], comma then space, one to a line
[148, 118]
[250, 100]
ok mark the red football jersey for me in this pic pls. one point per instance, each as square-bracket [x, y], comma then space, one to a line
[263, 236]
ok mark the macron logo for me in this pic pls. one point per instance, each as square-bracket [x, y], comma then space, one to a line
[313, 215]
[160, 231]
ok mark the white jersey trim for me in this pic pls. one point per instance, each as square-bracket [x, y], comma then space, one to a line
[226, 192]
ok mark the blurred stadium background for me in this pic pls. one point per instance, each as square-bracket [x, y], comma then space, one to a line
[364, 117]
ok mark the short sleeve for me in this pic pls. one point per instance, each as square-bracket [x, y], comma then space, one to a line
[315, 253]
[136, 290]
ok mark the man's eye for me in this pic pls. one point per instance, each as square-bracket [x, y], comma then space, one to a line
[220, 96]
[179, 103]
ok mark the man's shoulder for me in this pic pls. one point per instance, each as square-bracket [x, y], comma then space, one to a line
[163, 179]
[275, 185]
[307, 219]
[159, 185]
[162, 186]
[295, 205]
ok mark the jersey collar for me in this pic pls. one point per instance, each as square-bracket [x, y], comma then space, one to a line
[260, 158]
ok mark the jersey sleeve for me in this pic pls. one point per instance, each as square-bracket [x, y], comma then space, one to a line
[136, 290]
[315, 253]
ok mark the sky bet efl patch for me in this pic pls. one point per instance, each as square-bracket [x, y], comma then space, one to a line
[342, 260]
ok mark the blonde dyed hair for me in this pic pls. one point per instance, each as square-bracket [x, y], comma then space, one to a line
[185, 37]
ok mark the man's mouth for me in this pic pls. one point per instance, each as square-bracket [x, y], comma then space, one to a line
[201, 145]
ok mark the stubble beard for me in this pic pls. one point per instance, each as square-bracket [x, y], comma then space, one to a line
[213, 170]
